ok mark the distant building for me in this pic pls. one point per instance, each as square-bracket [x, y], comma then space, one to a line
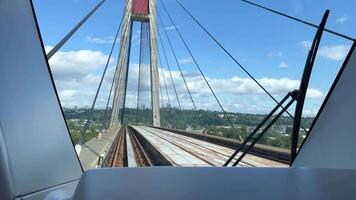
[223, 127]
[189, 128]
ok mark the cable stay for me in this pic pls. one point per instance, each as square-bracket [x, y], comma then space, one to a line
[177, 62]
[201, 72]
[300, 20]
[112, 83]
[297, 95]
[164, 79]
[70, 34]
[234, 59]
[179, 67]
[121, 81]
[118, 100]
[169, 69]
[139, 74]
[116, 74]
[144, 71]
[66, 38]
[127, 63]
[170, 119]
[100, 83]
[166, 88]
[107, 102]
[165, 85]
[161, 95]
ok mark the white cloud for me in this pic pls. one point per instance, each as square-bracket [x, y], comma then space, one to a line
[105, 40]
[241, 86]
[283, 65]
[275, 54]
[168, 28]
[342, 19]
[337, 52]
[310, 112]
[77, 74]
[306, 44]
[67, 93]
[74, 64]
[185, 61]
[331, 52]
[314, 93]
[136, 37]
[67, 96]
[48, 48]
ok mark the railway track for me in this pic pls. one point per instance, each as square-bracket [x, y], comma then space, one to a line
[120, 156]
[141, 157]
[147, 146]
[128, 151]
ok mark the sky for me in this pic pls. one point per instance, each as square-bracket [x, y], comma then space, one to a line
[272, 48]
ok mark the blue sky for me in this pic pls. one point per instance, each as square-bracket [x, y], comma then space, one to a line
[271, 47]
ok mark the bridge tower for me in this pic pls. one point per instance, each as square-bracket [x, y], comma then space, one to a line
[143, 11]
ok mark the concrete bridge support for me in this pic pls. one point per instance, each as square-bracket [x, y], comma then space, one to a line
[142, 11]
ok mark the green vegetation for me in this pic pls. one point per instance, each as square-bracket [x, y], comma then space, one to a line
[210, 122]
[76, 128]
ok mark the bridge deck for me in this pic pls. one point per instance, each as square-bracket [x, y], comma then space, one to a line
[185, 151]
[96, 147]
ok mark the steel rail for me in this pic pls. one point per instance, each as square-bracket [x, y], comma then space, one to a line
[141, 157]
